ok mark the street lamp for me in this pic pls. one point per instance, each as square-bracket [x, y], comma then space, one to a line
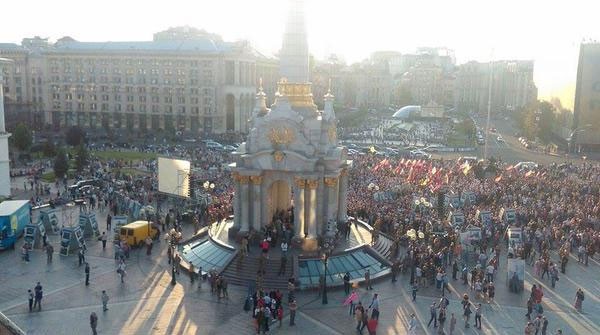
[325, 260]
[575, 131]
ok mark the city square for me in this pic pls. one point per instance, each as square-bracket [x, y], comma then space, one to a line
[193, 184]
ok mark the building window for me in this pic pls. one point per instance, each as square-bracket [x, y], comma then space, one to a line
[168, 109]
[93, 106]
[155, 99]
[181, 100]
[168, 100]
[155, 108]
[142, 98]
[130, 98]
[130, 108]
[104, 107]
[117, 107]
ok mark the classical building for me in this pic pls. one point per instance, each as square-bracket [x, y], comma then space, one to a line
[512, 86]
[4, 159]
[184, 79]
[291, 157]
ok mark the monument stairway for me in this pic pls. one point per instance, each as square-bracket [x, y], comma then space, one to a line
[383, 246]
[241, 272]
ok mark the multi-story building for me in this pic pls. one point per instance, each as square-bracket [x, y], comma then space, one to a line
[512, 86]
[586, 117]
[184, 79]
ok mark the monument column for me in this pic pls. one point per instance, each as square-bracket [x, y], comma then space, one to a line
[236, 200]
[312, 208]
[342, 215]
[4, 159]
[244, 180]
[299, 208]
[332, 198]
[256, 197]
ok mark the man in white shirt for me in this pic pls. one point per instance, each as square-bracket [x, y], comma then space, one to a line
[284, 248]
[490, 273]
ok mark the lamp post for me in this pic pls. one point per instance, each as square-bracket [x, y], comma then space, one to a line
[574, 132]
[325, 259]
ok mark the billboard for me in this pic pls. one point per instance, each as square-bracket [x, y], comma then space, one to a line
[587, 95]
[173, 176]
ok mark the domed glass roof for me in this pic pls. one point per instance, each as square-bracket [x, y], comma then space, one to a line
[406, 111]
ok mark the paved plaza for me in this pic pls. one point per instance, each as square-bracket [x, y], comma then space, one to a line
[147, 303]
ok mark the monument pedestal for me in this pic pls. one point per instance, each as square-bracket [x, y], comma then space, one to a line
[234, 232]
[310, 244]
[4, 163]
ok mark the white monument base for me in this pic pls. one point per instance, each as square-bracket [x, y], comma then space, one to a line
[4, 166]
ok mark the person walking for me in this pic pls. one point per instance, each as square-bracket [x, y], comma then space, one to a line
[544, 325]
[121, 270]
[452, 324]
[478, 316]
[347, 283]
[30, 297]
[39, 294]
[415, 288]
[105, 299]
[375, 307]
[293, 307]
[87, 273]
[351, 300]
[148, 242]
[579, 297]
[412, 325]
[94, 323]
[104, 238]
[108, 222]
[49, 252]
[81, 256]
[433, 315]
[358, 315]
[368, 280]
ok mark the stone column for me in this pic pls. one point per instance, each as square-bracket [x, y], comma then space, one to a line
[256, 200]
[236, 201]
[299, 208]
[4, 159]
[342, 205]
[311, 215]
[245, 203]
[332, 198]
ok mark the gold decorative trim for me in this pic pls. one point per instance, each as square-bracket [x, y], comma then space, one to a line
[330, 182]
[243, 180]
[332, 132]
[344, 172]
[281, 136]
[312, 183]
[278, 156]
[301, 183]
[256, 180]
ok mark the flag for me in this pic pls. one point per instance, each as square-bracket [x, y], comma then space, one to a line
[447, 180]
[510, 168]
[529, 173]
[498, 178]
[433, 171]
[466, 169]
[425, 181]
[351, 298]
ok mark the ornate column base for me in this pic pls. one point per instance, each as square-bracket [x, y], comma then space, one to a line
[234, 232]
[310, 244]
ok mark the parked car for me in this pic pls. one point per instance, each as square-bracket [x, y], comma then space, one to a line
[500, 139]
[420, 154]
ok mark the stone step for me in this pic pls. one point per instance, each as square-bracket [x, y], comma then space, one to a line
[240, 274]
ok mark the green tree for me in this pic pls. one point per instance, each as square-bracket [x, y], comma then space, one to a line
[82, 158]
[547, 121]
[74, 136]
[61, 164]
[21, 137]
[49, 149]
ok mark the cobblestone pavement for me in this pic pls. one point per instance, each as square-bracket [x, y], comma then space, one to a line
[148, 304]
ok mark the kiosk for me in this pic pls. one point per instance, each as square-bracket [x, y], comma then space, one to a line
[467, 198]
[456, 219]
[49, 220]
[14, 216]
[452, 200]
[118, 221]
[33, 236]
[88, 224]
[515, 277]
[71, 239]
[485, 217]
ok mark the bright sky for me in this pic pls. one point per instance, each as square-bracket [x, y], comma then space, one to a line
[548, 32]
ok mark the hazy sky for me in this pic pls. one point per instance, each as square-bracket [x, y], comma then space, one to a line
[548, 32]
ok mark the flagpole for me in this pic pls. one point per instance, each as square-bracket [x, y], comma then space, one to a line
[489, 108]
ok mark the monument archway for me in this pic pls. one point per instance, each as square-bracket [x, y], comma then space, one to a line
[279, 197]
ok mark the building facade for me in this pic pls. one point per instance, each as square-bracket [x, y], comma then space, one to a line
[512, 86]
[586, 117]
[185, 79]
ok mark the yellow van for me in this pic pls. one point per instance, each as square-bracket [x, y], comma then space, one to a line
[136, 232]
